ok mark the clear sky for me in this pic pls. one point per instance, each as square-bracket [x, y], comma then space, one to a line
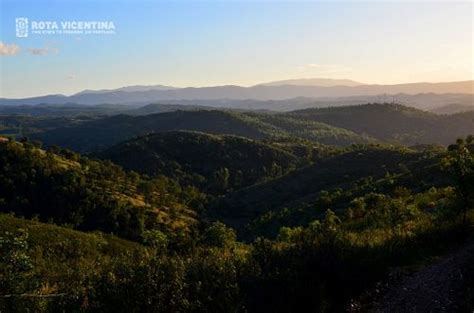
[203, 43]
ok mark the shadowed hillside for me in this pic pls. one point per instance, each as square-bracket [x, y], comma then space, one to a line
[66, 188]
[103, 133]
[394, 123]
[305, 188]
[215, 163]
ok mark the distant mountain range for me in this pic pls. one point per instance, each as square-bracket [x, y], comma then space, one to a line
[322, 82]
[128, 89]
[282, 94]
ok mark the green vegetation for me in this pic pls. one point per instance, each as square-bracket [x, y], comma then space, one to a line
[394, 123]
[230, 211]
[69, 189]
[103, 133]
[324, 265]
[215, 164]
[43, 266]
[330, 183]
[340, 126]
[313, 131]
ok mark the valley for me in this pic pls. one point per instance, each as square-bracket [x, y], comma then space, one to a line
[227, 200]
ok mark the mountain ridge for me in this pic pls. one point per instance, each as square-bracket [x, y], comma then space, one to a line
[258, 92]
[322, 82]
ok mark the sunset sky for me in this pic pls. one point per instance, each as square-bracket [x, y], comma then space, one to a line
[198, 43]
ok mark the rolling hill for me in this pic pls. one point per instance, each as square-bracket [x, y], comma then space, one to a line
[66, 188]
[214, 163]
[453, 108]
[394, 123]
[60, 242]
[301, 189]
[103, 133]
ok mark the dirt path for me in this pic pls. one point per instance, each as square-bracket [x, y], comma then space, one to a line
[440, 287]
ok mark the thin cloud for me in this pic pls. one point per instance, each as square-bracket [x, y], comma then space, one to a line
[9, 49]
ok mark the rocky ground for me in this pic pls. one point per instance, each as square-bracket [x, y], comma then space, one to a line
[445, 286]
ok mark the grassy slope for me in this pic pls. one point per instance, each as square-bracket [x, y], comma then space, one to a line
[74, 245]
[62, 262]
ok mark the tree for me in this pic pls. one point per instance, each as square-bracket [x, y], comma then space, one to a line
[221, 178]
[15, 263]
[219, 235]
[156, 239]
[460, 161]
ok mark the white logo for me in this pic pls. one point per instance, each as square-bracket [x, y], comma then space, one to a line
[21, 27]
[26, 27]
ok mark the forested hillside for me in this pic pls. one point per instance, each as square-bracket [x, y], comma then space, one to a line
[103, 133]
[65, 188]
[236, 156]
[106, 132]
[340, 126]
[212, 211]
[328, 263]
[394, 123]
[215, 164]
[330, 183]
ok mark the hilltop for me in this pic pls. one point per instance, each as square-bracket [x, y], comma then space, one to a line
[394, 123]
[339, 126]
[212, 162]
[102, 133]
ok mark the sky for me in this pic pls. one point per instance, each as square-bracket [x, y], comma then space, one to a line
[209, 43]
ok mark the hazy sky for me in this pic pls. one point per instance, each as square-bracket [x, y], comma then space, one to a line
[198, 43]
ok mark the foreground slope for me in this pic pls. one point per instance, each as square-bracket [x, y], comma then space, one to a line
[63, 243]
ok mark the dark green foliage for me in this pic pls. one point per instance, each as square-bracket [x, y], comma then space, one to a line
[394, 123]
[62, 110]
[87, 194]
[215, 164]
[106, 132]
[460, 162]
[340, 126]
[97, 273]
[318, 237]
[41, 259]
[330, 183]
[219, 235]
[25, 125]
[103, 133]
[15, 263]
[313, 131]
